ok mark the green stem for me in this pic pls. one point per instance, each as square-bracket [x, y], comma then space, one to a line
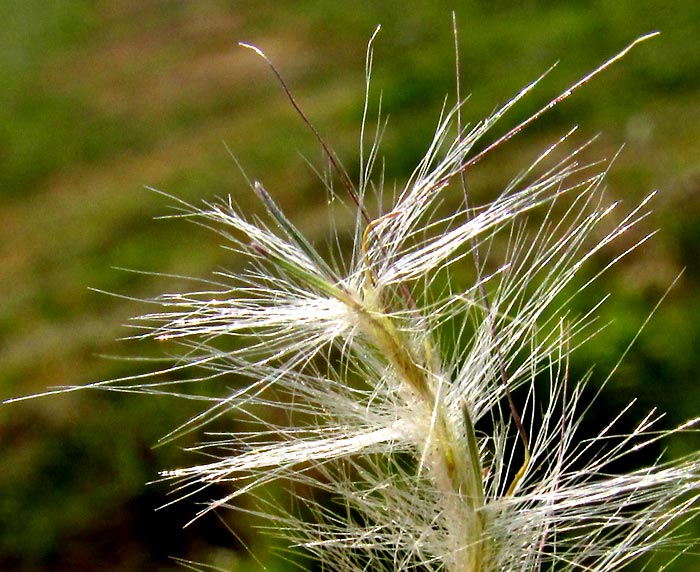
[455, 468]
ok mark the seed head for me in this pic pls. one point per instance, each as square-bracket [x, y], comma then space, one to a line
[440, 419]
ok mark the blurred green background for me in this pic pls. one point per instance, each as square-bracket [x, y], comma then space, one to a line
[98, 99]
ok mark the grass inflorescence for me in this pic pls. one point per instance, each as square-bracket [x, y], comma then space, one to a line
[442, 420]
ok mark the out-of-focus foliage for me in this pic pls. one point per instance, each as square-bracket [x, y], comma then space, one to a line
[98, 99]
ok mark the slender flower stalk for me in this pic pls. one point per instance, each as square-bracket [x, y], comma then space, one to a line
[440, 419]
